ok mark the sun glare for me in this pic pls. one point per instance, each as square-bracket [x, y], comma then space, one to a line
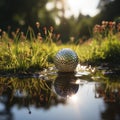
[73, 98]
[75, 7]
[86, 7]
[49, 6]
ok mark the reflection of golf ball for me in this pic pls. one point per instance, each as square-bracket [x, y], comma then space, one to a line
[66, 60]
[65, 85]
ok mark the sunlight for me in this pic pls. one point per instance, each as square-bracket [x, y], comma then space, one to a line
[49, 6]
[73, 98]
[57, 20]
[81, 6]
[77, 81]
[75, 7]
[59, 5]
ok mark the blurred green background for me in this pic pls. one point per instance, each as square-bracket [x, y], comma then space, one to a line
[23, 13]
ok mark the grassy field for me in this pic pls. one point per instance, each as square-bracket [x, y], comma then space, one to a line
[30, 52]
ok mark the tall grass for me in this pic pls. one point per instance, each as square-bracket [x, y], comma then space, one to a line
[27, 92]
[30, 52]
[21, 53]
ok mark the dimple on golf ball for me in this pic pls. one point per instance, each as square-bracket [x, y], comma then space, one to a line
[66, 60]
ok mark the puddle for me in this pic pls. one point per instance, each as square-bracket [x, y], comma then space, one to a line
[87, 94]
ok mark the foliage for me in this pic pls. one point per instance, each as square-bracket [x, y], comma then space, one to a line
[109, 10]
[21, 54]
[21, 13]
[27, 92]
[33, 52]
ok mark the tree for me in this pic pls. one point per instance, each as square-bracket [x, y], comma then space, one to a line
[103, 3]
[20, 12]
[111, 9]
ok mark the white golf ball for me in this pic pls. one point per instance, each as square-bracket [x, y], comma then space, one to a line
[66, 60]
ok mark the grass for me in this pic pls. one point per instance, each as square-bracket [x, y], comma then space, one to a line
[30, 52]
[27, 92]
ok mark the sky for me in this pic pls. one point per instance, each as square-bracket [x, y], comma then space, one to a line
[75, 7]
[86, 7]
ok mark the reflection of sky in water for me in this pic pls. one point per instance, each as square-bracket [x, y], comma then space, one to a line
[83, 106]
[1, 107]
